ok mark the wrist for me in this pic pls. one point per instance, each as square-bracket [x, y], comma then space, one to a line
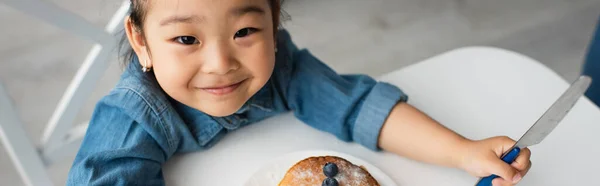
[461, 153]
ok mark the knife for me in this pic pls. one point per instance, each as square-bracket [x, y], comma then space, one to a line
[545, 124]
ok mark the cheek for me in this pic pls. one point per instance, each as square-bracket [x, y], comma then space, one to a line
[172, 74]
[261, 59]
[169, 67]
[261, 64]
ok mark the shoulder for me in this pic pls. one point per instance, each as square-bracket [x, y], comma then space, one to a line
[137, 98]
[297, 64]
[285, 58]
[139, 90]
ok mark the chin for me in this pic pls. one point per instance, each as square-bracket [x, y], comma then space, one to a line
[222, 111]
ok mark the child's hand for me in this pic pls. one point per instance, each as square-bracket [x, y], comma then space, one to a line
[482, 159]
[439, 145]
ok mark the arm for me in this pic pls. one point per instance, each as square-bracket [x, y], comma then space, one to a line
[375, 114]
[119, 149]
[410, 133]
[436, 143]
[352, 107]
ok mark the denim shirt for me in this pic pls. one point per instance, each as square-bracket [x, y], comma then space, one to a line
[137, 126]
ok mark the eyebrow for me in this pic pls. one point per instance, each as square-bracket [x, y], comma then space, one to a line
[240, 11]
[180, 19]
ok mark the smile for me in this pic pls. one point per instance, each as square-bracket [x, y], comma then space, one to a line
[222, 90]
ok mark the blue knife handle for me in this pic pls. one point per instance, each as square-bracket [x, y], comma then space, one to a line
[509, 158]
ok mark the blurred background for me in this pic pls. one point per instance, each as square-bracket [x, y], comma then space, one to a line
[38, 60]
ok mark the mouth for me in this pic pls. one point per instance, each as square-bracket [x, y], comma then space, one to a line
[222, 90]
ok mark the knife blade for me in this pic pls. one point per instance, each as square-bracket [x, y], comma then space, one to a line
[545, 124]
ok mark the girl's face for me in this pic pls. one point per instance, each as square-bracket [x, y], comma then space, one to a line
[212, 55]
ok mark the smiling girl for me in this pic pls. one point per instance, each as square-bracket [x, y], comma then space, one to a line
[198, 69]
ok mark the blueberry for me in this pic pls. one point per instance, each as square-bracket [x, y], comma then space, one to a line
[330, 169]
[330, 182]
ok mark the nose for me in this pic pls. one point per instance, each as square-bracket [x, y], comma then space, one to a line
[217, 59]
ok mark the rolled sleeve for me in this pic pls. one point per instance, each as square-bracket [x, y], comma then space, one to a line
[353, 107]
[373, 113]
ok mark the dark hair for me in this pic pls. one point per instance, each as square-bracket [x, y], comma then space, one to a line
[137, 15]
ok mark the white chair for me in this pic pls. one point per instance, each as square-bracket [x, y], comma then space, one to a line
[60, 138]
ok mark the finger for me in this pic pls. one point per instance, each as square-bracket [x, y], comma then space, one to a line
[522, 161]
[497, 181]
[500, 182]
[504, 143]
[524, 172]
[505, 171]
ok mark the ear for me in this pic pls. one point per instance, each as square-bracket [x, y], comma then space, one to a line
[137, 42]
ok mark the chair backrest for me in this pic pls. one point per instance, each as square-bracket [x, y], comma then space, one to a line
[19, 148]
[60, 138]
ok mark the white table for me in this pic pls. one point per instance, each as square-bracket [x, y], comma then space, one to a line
[477, 91]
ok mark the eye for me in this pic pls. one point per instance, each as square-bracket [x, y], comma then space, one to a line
[187, 40]
[245, 32]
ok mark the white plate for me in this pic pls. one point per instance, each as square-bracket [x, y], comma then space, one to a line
[273, 172]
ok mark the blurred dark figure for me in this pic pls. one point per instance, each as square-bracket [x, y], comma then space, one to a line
[591, 67]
